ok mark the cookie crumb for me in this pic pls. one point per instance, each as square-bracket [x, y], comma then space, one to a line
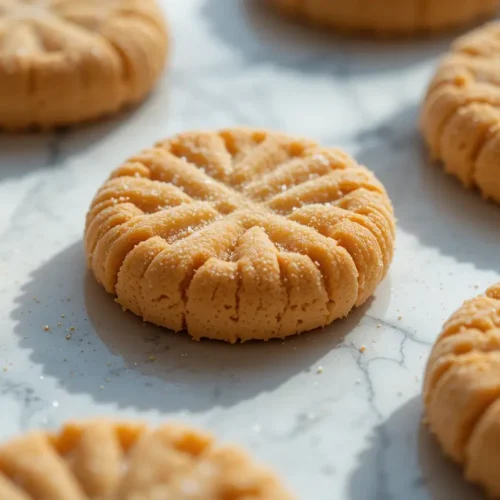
[68, 337]
[362, 349]
[320, 369]
[46, 328]
[400, 318]
[379, 325]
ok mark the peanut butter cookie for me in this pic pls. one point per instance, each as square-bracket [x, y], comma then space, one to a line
[462, 389]
[387, 17]
[461, 114]
[68, 61]
[240, 234]
[103, 460]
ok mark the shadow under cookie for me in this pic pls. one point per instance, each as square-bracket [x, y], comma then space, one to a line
[429, 204]
[403, 461]
[114, 357]
[252, 30]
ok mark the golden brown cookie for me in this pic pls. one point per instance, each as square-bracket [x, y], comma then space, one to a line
[387, 17]
[461, 116]
[68, 61]
[104, 460]
[240, 234]
[462, 389]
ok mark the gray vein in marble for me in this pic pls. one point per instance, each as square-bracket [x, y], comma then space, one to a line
[25, 395]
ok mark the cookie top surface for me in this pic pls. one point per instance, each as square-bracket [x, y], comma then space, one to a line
[462, 389]
[240, 234]
[388, 17]
[461, 116]
[68, 61]
[104, 460]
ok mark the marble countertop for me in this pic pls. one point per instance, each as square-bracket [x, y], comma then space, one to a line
[350, 432]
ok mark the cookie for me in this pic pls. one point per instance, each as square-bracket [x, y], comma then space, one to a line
[462, 389]
[387, 17]
[240, 234]
[63, 62]
[104, 460]
[460, 119]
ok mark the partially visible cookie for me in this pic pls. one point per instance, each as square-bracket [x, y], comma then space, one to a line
[240, 234]
[104, 460]
[462, 389]
[387, 17]
[461, 113]
[64, 62]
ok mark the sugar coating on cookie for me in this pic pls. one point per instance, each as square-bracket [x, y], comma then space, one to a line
[64, 62]
[240, 234]
[462, 389]
[460, 118]
[104, 460]
[387, 17]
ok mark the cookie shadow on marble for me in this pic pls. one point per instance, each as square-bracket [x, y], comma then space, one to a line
[93, 347]
[402, 460]
[254, 31]
[430, 204]
[24, 153]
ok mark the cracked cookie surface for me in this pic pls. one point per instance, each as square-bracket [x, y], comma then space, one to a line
[63, 62]
[460, 119]
[387, 17]
[104, 460]
[240, 234]
[462, 389]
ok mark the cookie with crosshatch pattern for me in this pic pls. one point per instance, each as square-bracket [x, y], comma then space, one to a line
[387, 17]
[462, 389]
[460, 117]
[106, 460]
[240, 234]
[64, 62]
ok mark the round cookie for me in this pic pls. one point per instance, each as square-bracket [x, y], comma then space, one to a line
[460, 119]
[462, 389]
[104, 460]
[387, 17]
[64, 62]
[240, 234]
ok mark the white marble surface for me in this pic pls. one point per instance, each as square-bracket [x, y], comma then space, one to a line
[352, 432]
